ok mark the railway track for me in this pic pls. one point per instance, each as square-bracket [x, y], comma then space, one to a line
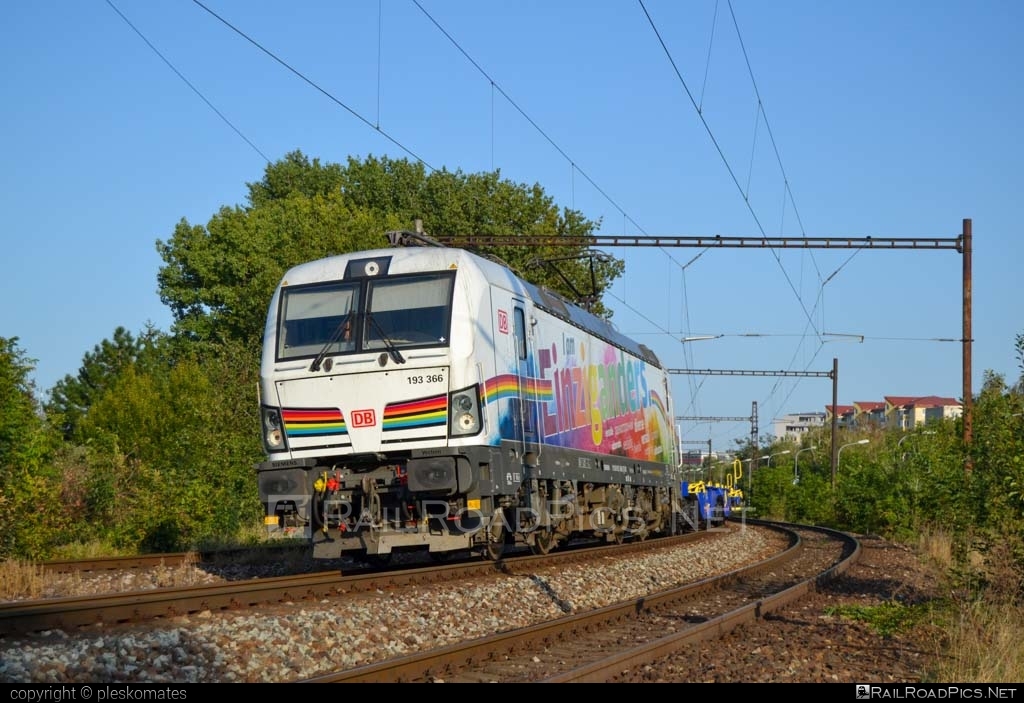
[170, 559]
[611, 643]
[143, 561]
[69, 613]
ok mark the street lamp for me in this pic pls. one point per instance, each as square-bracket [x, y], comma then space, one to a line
[910, 434]
[796, 463]
[768, 457]
[839, 453]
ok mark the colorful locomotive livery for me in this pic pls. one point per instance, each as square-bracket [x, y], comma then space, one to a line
[425, 397]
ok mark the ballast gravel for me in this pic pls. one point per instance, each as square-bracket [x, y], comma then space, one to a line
[289, 642]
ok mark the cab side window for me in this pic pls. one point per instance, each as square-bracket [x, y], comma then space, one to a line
[520, 323]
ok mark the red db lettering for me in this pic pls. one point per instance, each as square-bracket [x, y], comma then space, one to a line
[363, 418]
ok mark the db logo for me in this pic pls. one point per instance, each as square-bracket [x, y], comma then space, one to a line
[503, 322]
[363, 418]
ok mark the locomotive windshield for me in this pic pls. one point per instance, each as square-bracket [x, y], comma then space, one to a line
[370, 314]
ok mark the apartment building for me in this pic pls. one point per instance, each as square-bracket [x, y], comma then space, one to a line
[902, 412]
[796, 425]
[908, 413]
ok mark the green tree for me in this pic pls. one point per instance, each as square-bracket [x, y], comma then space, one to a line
[295, 175]
[1020, 362]
[998, 450]
[218, 279]
[171, 452]
[30, 513]
[19, 417]
[72, 396]
[453, 203]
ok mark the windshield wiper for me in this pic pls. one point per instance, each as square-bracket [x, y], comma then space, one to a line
[335, 336]
[388, 344]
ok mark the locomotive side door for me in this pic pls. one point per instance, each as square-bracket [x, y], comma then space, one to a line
[527, 432]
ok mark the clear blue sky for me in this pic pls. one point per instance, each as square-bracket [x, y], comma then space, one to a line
[889, 119]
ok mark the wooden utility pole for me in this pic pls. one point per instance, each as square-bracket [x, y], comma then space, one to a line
[968, 392]
[835, 419]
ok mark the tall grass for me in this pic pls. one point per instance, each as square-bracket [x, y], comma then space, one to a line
[984, 644]
[21, 579]
[982, 620]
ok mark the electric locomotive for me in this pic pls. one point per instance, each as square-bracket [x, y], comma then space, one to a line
[427, 398]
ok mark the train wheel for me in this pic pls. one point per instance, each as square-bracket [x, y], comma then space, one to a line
[497, 535]
[543, 541]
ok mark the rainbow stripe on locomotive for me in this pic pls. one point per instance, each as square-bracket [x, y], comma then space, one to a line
[426, 397]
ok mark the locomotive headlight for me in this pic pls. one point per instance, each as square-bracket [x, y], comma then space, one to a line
[464, 416]
[271, 418]
[273, 430]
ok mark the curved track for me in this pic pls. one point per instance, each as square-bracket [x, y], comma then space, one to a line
[601, 645]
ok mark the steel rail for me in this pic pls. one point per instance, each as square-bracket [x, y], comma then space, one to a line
[79, 611]
[604, 669]
[446, 661]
